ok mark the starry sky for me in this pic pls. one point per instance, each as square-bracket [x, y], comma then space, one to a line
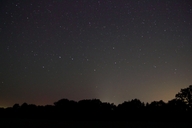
[112, 50]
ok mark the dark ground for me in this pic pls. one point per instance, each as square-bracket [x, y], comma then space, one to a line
[29, 123]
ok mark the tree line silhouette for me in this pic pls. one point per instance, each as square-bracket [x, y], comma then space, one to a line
[177, 109]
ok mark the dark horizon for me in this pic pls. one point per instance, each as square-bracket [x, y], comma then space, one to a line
[184, 95]
[44, 104]
[96, 114]
[178, 109]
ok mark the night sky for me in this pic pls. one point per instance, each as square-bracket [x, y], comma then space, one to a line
[112, 50]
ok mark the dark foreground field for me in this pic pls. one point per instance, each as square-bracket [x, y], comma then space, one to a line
[29, 123]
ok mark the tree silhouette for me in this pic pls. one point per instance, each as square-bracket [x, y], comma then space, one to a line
[130, 110]
[185, 95]
[65, 108]
[16, 106]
